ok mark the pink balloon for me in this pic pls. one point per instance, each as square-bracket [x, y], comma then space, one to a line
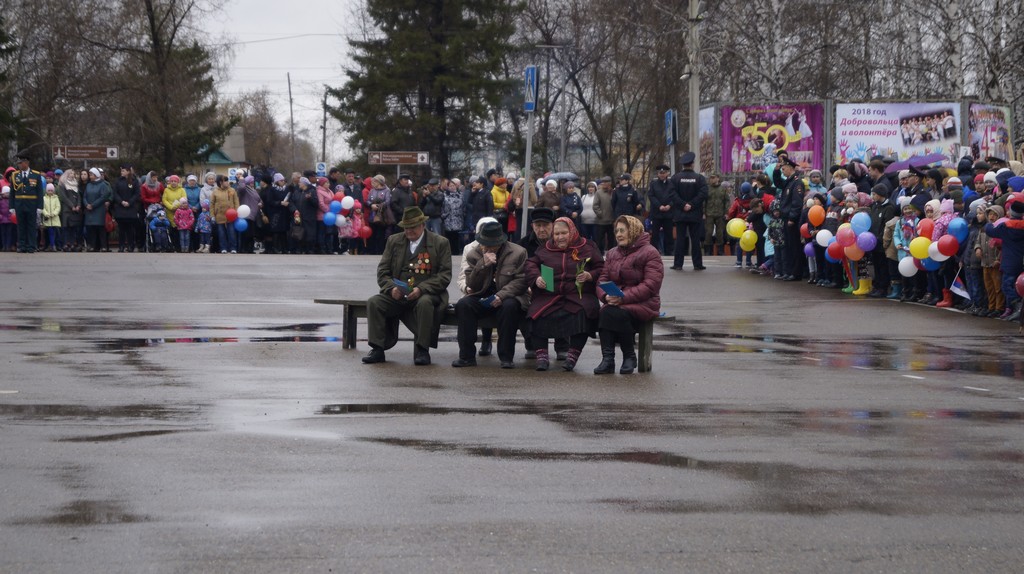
[846, 237]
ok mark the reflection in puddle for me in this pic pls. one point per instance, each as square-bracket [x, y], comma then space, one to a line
[117, 436]
[86, 513]
[47, 412]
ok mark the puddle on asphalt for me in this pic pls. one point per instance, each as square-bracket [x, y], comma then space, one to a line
[86, 513]
[118, 436]
[51, 412]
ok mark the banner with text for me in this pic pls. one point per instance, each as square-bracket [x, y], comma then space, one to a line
[901, 130]
[752, 136]
[988, 128]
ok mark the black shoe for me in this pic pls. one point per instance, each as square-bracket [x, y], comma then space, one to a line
[790, 278]
[485, 349]
[701, 268]
[530, 355]
[421, 356]
[460, 362]
[628, 365]
[560, 356]
[606, 367]
[376, 355]
[674, 268]
[508, 365]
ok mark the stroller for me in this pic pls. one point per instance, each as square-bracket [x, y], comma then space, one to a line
[157, 234]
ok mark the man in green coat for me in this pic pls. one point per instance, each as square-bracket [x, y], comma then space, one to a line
[715, 208]
[27, 190]
[413, 275]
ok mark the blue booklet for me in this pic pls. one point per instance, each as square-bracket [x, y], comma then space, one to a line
[612, 289]
[486, 301]
[402, 286]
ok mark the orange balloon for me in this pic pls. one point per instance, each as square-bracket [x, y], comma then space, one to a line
[925, 227]
[816, 215]
[853, 252]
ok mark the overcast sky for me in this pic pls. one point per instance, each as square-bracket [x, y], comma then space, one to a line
[262, 58]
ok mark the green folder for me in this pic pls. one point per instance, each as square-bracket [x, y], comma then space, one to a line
[548, 275]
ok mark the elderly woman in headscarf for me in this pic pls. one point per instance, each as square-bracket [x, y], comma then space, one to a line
[71, 205]
[95, 200]
[568, 306]
[636, 269]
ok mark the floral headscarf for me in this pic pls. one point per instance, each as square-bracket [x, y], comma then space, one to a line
[574, 235]
[634, 227]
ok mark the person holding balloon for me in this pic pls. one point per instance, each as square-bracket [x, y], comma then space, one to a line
[224, 206]
[881, 212]
[947, 270]
[990, 251]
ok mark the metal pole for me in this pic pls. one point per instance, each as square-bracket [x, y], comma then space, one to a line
[291, 109]
[565, 127]
[528, 184]
[672, 157]
[694, 80]
[323, 145]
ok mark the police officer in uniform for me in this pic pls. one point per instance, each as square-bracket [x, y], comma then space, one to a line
[692, 190]
[27, 190]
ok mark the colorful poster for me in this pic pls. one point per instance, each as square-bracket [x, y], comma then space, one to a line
[752, 136]
[901, 130]
[988, 129]
[707, 139]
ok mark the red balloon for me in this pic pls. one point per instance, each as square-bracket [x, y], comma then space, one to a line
[948, 245]
[804, 233]
[365, 232]
[231, 214]
[836, 250]
[925, 228]
[338, 196]
[1019, 284]
[846, 236]
[14, 218]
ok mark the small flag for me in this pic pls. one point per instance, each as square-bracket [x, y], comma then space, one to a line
[958, 287]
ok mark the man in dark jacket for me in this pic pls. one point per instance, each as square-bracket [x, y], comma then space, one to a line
[481, 202]
[692, 190]
[432, 204]
[882, 210]
[125, 209]
[625, 199]
[664, 206]
[401, 196]
[791, 202]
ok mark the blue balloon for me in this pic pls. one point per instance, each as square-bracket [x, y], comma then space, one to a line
[930, 264]
[330, 218]
[241, 225]
[860, 223]
[335, 207]
[958, 228]
[809, 249]
[829, 258]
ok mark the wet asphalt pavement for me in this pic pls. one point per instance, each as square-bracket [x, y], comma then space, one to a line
[181, 413]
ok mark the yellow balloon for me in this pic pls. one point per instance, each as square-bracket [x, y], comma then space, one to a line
[844, 226]
[748, 245]
[919, 247]
[736, 227]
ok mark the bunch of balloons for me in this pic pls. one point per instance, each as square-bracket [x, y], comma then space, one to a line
[340, 207]
[925, 254]
[737, 228]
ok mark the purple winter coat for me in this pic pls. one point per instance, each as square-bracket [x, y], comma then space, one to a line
[638, 271]
[565, 296]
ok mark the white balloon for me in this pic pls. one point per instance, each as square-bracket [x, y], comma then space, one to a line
[340, 220]
[933, 252]
[243, 211]
[823, 237]
[347, 203]
[907, 267]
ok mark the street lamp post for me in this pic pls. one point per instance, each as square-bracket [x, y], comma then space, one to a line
[694, 79]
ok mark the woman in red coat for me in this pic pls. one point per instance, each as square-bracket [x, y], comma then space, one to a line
[635, 267]
[569, 308]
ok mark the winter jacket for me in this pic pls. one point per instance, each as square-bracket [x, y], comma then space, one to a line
[401, 198]
[571, 203]
[692, 189]
[184, 218]
[250, 197]
[881, 213]
[969, 257]
[276, 213]
[499, 196]
[171, 200]
[625, 200]
[1012, 234]
[97, 194]
[565, 263]
[508, 274]
[638, 271]
[740, 208]
[717, 203]
[51, 210]
[5, 210]
[70, 198]
[791, 200]
[903, 233]
[126, 190]
[432, 203]
[888, 243]
[663, 193]
[324, 197]
[221, 201]
[151, 195]
[204, 223]
[481, 204]
[192, 194]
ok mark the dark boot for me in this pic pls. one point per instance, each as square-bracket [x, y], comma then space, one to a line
[543, 362]
[607, 365]
[628, 353]
[571, 356]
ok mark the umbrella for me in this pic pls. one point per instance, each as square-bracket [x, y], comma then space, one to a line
[563, 175]
[917, 161]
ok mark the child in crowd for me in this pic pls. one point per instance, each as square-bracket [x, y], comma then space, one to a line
[183, 220]
[948, 269]
[204, 227]
[8, 230]
[51, 218]
[160, 227]
[991, 252]
[356, 220]
[741, 208]
[776, 234]
[756, 222]
[1011, 260]
[971, 259]
[892, 254]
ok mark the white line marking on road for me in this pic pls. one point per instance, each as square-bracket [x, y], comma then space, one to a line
[862, 368]
[915, 377]
[8, 392]
[977, 389]
[813, 359]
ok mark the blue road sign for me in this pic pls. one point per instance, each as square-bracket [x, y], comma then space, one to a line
[670, 127]
[531, 89]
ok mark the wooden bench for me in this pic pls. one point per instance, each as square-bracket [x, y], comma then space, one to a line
[354, 309]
